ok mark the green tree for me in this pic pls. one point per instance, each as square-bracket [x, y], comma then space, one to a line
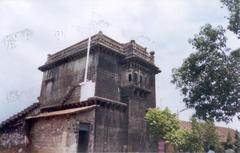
[235, 60]
[210, 137]
[196, 137]
[229, 143]
[233, 7]
[237, 142]
[180, 140]
[207, 78]
[200, 138]
[162, 125]
[192, 141]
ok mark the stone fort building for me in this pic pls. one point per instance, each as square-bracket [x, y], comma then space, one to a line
[110, 120]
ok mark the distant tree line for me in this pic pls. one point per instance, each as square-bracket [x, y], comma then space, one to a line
[165, 126]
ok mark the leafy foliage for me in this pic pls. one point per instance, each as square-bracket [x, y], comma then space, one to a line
[229, 144]
[208, 78]
[179, 139]
[196, 137]
[162, 124]
[233, 7]
[237, 142]
[201, 137]
[210, 137]
[191, 141]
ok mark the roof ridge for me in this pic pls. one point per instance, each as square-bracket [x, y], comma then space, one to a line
[19, 114]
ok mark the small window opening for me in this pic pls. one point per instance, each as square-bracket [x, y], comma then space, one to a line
[135, 77]
[146, 82]
[135, 93]
[129, 77]
[141, 79]
[83, 138]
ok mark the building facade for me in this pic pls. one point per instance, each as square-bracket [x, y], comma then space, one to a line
[111, 119]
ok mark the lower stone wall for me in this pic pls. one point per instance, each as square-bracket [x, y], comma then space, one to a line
[60, 134]
[16, 149]
[138, 139]
[110, 130]
[13, 139]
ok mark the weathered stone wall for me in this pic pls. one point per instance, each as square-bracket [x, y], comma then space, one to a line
[13, 141]
[141, 77]
[60, 134]
[110, 130]
[14, 136]
[151, 98]
[138, 91]
[19, 149]
[107, 83]
[59, 80]
[137, 129]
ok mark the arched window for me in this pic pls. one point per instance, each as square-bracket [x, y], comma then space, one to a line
[129, 77]
[135, 92]
[135, 77]
[146, 82]
[141, 79]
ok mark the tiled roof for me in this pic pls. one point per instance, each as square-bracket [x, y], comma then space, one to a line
[19, 115]
[91, 102]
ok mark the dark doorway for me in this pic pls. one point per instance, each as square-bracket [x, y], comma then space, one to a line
[83, 138]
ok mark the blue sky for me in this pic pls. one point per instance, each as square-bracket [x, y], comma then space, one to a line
[29, 30]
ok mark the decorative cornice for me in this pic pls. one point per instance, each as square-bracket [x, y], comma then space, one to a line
[137, 59]
[76, 50]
